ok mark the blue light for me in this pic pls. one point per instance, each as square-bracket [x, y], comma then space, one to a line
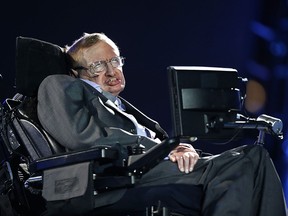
[285, 148]
[285, 174]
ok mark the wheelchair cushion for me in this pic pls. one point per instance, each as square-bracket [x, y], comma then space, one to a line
[35, 60]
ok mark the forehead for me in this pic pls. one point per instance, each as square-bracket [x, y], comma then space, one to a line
[100, 51]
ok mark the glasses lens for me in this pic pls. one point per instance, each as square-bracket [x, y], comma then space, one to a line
[97, 67]
[117, 61]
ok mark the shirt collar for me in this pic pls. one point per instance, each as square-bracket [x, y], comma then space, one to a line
[108, 95]
[93, 84]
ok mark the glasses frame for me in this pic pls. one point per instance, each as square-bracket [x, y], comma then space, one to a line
[102, 65]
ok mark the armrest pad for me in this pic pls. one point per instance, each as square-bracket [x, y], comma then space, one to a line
[101, 154]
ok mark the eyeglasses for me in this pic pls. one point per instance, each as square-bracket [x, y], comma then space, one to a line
[101, 66]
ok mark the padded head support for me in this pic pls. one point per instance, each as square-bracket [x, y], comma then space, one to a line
[35, 60]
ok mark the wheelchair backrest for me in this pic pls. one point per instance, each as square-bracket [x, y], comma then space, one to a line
[20, 128]
[35, 60]
[24, 132]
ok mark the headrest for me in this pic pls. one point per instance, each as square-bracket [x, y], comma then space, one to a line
[35, 60]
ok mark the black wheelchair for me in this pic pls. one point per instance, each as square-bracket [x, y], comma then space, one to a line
[33, 164]
[32, 161]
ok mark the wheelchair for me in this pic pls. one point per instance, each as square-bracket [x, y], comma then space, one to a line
[32, 161]
[34, 165]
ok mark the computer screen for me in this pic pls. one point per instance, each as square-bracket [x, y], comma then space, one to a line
[202, 100]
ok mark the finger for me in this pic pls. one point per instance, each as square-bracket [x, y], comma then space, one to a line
[180, 163]
[172, 157]
[193, 160]
[187, 162]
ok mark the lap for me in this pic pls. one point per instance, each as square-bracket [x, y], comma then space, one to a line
[207, 168]
[218, 185]
[185, 192]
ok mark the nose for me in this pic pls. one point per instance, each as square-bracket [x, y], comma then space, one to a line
[109, 70]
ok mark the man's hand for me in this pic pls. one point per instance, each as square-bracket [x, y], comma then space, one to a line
[185, 156]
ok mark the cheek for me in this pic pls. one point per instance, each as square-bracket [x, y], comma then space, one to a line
[98, 80]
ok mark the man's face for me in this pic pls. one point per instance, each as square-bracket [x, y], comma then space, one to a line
[111, 79]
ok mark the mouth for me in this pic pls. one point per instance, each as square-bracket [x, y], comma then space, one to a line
[112, 81]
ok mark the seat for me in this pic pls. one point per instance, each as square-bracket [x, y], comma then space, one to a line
[32, 161]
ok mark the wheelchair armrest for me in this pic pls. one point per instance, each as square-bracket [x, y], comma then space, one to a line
[101, 154]
[137, 164]
[115, 170]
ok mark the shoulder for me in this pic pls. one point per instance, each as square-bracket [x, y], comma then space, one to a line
[58, 81]
[58, 86]
[57, 78]
[62, 86]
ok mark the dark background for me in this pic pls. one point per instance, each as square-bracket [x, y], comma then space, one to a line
[248, 35]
